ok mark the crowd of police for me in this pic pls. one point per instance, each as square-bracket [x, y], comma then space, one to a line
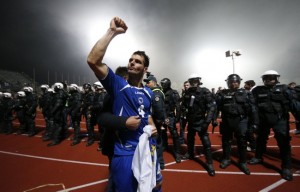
[62, 107]
[247, 114]
[244, 115]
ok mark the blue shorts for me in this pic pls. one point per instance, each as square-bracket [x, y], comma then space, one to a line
[122, 175]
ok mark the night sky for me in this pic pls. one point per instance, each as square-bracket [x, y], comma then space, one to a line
[181, 37]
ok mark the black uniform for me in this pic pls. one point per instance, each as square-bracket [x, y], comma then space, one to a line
[45, 103]
[20, 113]
[96, 110]
[236, 107]
[1, 112]
[57, 109]
[7, 107]
[87, 105]
[295, 106]
[31, 105]
[183, 118]
[201, 109]
[172, 108]
[74, 104]
[158, 115]
[273, 109]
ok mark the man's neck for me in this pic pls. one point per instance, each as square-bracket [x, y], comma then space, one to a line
[135, 82]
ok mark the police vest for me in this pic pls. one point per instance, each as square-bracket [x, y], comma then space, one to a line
[295, 99]
[195, 100]
[171, 99]
[271, 100]
[234, 102]
[296, 93]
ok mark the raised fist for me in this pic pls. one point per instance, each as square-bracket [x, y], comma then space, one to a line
[118, 25]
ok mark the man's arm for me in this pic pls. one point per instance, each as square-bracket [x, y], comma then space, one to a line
[107, 119]
[95, 57]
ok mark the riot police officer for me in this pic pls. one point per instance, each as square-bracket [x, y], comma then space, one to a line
[7, 107]
[172, 108]
[45, 101]
[21, 111]
[74, 104]
[31, 105]
[97, 108]
[294, 93]
[273, 102]
[249, 85]
[158, 114]
[201, 109]
[237, 107]
[1, 111]
[183, 112]
[57, 108]
[48, 99]
[87, 105]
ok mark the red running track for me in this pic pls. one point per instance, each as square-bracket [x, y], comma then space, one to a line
[27, 164]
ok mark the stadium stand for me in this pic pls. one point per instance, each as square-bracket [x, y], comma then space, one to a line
[14, 81]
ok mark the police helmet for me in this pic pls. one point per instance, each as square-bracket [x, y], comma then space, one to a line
[44, 87]
[270, 74]
[98, 85]
[50, 90]
[7, 95]
[194, 79]
[87, 86]
[165, 83]
[233, 77]
[58, 86]
[73, 87]
[21, 94]
[28, 89]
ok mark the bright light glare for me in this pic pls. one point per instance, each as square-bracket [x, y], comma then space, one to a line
[212, 65]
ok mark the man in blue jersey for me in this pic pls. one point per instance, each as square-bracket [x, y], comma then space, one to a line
[130, 98]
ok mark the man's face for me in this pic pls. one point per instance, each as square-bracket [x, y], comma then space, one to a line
[194, 82]
[270, 80]
[150, 84]
[186, 85]
[247, 87]
[233, 84]
[136, 65]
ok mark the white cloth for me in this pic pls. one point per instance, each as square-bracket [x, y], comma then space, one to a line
[144, 170]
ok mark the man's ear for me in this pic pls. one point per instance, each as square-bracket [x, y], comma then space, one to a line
[145, 70]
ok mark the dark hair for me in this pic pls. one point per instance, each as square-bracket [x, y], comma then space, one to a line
[292, 83]
[146, 57]
[122, 71]
[251, 83]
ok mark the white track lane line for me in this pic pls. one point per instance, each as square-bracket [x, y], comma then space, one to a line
[54, 159]
[85, 185]
[273, 186]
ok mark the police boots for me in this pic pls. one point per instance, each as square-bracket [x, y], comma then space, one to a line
[210, 169]
[226, 154]
[287, 174]
[225, 163]
[244, 168]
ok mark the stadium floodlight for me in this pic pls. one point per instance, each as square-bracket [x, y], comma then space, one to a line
[233, 54]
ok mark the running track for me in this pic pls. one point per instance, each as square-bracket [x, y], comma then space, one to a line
[27, 164]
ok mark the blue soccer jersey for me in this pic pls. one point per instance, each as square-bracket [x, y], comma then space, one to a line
[128, 101]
